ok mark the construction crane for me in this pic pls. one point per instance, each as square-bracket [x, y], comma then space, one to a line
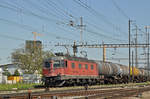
[35, 35]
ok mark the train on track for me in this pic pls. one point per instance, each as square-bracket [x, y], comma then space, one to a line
[72, 70]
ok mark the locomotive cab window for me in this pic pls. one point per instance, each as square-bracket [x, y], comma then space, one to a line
[62, 63]
[58, 64]
[47, 64]
[92, 67]
[73, 65]
[80, 66]
[66, 63]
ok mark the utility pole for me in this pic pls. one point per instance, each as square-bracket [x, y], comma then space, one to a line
[104, 52]
[148, 51]
[132, 67]
[129, 48]
[147, 32]
[136, 51]
[75, 50]
[81, 29]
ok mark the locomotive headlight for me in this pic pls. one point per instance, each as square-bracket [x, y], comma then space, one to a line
[62, 58]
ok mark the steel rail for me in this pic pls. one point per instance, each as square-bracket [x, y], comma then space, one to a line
[91, 94]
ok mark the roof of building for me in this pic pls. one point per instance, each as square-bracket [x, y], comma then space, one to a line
[9, 65]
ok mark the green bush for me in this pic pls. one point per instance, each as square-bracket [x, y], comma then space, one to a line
[19, 86]
[16, 73]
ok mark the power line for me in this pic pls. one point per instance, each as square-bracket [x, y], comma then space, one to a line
[69, 14]
[40, 8]
[101, 35]
[11, 37]
[58, 37]
[65, 12]
[26, 12]
[105, 31]
[124, 14]
[93, 11]
[120, 10]
[51, 3]
[14, 8]
[27, 27]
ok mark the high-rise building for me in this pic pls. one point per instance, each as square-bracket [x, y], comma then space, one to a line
[31, 46]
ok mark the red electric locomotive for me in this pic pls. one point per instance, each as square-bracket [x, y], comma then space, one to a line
[67, 70]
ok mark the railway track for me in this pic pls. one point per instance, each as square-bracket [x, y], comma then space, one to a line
[40, 90]
[91, 93]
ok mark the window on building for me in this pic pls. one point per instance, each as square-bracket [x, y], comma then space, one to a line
[80, 66]
[73, 65]
[92, 67]
[86, 66]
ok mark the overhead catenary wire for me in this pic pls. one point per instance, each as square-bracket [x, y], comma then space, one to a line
[25, 11]
[96, 33]
[61, 9]
[69, 14]
[51, 3]
[104, 31]
[89, 31]
[45, 11]
[76, 19]
[120, 10]
[124, 14]
[101, 35]
[14, 8]
[27, 27]
[11, 37]
[42, 9]
[127, 17]
[33, 4]
[91, 11]
[99, 15]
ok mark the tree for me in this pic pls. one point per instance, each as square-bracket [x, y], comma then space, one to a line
[30, 61]
[16, 73]
[6, 72]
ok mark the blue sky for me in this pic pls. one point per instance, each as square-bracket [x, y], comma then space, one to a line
[104, 20]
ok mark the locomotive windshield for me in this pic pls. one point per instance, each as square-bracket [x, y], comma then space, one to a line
[55, 63]
[58, 63]
[47, 64]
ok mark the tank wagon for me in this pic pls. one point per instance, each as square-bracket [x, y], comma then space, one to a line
[118, 73]
[67, 70]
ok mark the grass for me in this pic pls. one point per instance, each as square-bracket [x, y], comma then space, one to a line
[19, 86]
[22, 86]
